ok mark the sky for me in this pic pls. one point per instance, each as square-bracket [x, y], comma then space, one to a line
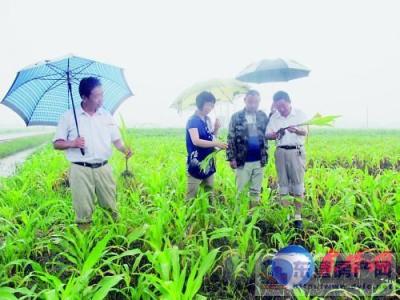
[352, 48]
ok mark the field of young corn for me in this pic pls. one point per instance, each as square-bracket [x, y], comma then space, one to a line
[165, 248]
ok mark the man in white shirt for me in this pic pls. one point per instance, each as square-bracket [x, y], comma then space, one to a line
[290, 156]
[90, 174]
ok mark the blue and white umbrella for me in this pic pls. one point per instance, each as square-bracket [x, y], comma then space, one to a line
[41, 93]
[273, 70]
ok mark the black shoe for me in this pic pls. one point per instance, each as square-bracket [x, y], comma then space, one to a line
[298, 224]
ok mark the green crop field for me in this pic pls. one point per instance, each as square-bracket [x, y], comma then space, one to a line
[165, 248]
[10, 147]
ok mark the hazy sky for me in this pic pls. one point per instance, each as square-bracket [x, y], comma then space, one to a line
[352, 48]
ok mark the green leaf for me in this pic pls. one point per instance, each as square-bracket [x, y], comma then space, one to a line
[126, 137]
[164, 264]
[176, 267]
[106, 284]
[136, 234]
[300, 294]
[50, 295]
[206, 163]
[319, 120]
[7, 293]
[197, 273]
[208, 262]
[53, 280]
[95, 255]
[221, 232]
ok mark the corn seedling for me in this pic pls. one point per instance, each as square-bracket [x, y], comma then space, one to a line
[128, 142]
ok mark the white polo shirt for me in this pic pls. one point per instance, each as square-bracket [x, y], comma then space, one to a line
[99, 131]
[277, 121]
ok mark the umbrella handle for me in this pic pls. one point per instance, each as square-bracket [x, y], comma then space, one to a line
[70, 95]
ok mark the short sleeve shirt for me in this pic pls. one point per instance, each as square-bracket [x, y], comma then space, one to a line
[99, 131]
[277, 121]
[197, 154]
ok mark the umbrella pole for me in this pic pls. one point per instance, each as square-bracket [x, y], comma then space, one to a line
[73, 105]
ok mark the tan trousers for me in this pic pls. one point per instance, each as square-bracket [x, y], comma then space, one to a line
[290, 166]
[87, 184]
[193, 185]
[250, 174]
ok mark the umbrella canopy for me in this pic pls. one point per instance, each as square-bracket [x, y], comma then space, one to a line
[222, 89]
[41, 93]
[273, 70]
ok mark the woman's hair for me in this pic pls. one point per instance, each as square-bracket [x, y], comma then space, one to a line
[203, 98]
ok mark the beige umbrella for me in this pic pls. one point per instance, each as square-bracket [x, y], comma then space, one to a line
[222, 89]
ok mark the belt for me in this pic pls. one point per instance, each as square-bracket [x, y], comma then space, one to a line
[287, 147]
[89, 165]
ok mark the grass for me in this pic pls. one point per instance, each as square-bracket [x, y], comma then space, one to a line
[16, 145]
[165, 248]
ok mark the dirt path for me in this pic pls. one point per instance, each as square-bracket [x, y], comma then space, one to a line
[9, 164]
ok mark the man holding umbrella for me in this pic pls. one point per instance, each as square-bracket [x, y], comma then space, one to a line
[290, 156]
[88, 149]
